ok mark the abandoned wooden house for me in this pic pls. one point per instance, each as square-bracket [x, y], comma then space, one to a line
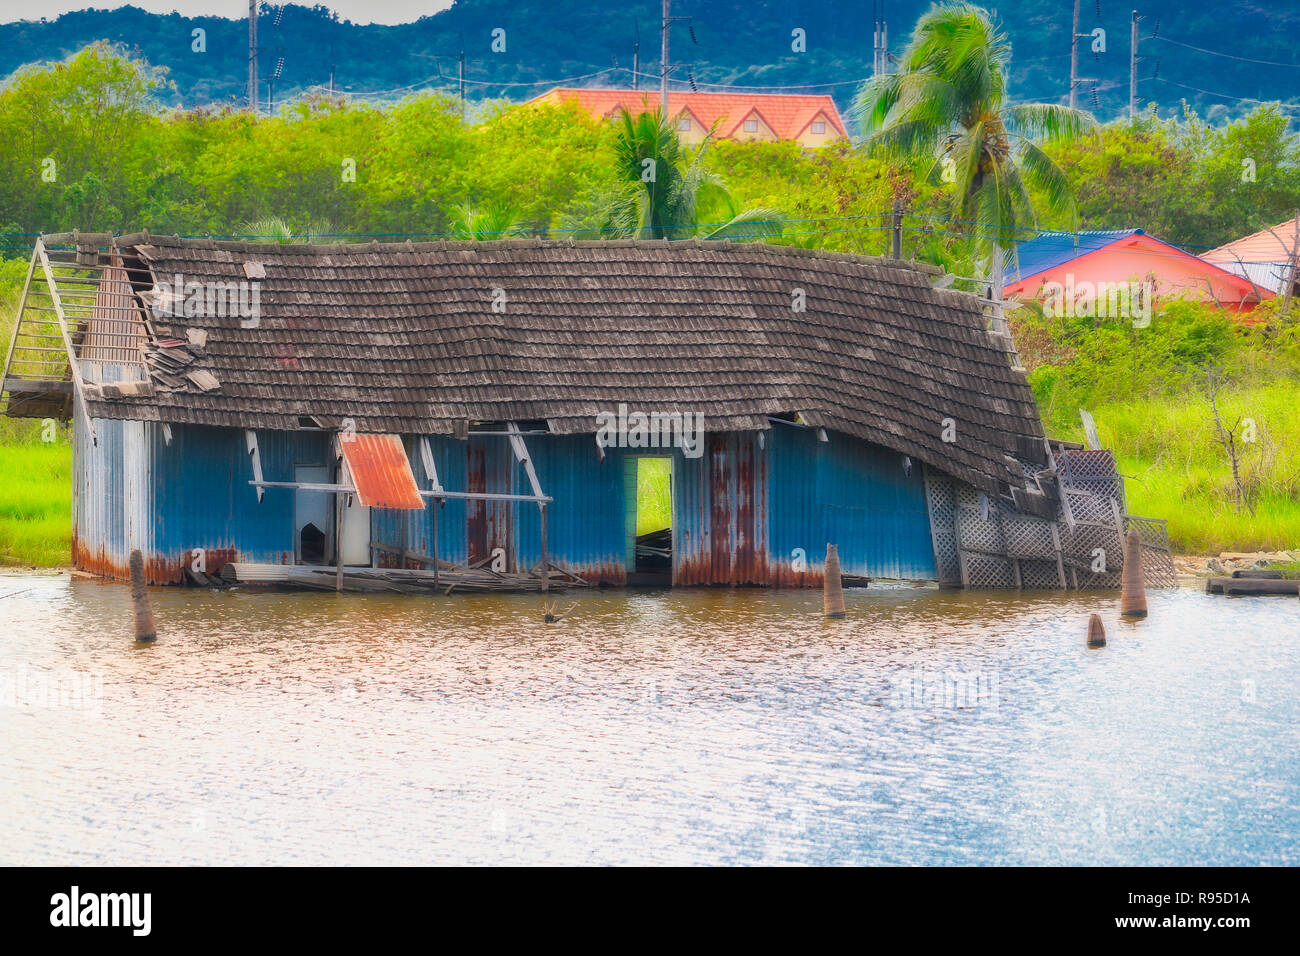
[384, 415]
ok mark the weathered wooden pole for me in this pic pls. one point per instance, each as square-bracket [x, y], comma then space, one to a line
[437, 503]
[1132, 595]
[1096, 632]
[338, 536]
[832, 588]
[145, 631]
[546, 559]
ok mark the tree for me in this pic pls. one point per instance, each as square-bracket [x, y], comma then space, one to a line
[496, 220]
[664, 191]
[947, 106]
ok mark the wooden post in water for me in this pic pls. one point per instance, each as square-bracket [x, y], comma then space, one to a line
[832, 588]
[1096, 632]
[546, 565]
[436, 505]
[1132, 595]
[338, 537]
[145, 631]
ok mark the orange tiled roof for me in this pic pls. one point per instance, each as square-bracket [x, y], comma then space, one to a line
[787, 115]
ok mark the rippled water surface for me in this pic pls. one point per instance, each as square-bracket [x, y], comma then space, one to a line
[664, 727]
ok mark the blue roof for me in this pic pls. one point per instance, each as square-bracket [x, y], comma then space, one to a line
[1051, 249]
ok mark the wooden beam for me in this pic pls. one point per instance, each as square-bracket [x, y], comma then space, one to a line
[521, 453]
[250, 438]
[79, 389]
[22, 302]
[430, 468]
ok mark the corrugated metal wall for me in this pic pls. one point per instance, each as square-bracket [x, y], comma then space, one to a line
[741, 514]
[850, 493]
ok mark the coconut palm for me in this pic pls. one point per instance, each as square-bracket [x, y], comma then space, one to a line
[947, 108]
[277, 229]
[663, 189]
[492, 221]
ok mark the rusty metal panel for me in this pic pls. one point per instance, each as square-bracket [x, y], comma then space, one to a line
[720, 520]
[381, 472]
[488, 523]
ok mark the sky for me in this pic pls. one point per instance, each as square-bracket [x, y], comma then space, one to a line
[358, 11]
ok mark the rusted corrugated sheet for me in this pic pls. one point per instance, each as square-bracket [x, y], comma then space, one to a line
[720, 513]
[381, 471]
[488, 523]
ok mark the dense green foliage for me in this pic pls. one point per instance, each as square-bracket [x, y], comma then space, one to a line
[1149, 390]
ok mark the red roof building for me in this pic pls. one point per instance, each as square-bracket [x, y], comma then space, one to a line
[808, 120]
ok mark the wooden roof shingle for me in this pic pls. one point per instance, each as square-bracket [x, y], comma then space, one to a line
[421, 338]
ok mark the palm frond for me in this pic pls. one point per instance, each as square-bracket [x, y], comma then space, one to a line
[749, 225]
[1050, 122]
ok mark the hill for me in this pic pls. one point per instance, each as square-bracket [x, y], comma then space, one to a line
[740, 42]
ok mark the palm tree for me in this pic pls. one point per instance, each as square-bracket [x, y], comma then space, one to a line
[493, 221]
[946, 106]
[277, 229]
[662, 190]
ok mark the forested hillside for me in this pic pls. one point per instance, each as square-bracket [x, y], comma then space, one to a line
[1252, 48]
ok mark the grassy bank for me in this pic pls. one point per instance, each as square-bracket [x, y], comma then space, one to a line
[35, 504]
[1176, 470]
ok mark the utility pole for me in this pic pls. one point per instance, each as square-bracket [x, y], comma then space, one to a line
[252, 55]
[1074, 56]
[663, 61]
[460, 78]
[880, 42]
[636, 60]
[1133, 68]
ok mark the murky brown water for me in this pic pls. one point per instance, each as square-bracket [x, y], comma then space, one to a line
[665, 727]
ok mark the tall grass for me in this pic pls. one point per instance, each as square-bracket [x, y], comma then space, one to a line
[36, 504]
[1177, 470]
[653, 494]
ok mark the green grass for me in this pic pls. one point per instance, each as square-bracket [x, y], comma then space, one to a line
[1166, 448]
[36, 504]
[653, 497]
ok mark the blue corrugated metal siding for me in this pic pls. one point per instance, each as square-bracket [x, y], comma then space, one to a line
[849, 493]
[585, 521]
[202, 496]
[741, 514]
[449, 459]
[720, 513]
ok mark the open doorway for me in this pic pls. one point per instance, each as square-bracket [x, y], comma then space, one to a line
[648, 486]
[313, 517]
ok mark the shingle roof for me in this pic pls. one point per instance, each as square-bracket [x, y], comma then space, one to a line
[404, 338]
[788, 114]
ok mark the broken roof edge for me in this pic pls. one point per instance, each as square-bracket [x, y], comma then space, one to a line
[141, 408]
[145, 237]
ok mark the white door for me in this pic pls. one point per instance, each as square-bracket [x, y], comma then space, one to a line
[356, 533]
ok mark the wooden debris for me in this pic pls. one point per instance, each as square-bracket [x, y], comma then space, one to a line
[407, 580]
[197, 338]
[1251, 585]
[203, 380]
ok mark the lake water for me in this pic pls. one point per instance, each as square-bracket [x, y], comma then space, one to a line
[663, 727]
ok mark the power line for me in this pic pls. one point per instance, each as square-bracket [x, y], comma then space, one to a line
[1229, 56]
[1226, 96]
